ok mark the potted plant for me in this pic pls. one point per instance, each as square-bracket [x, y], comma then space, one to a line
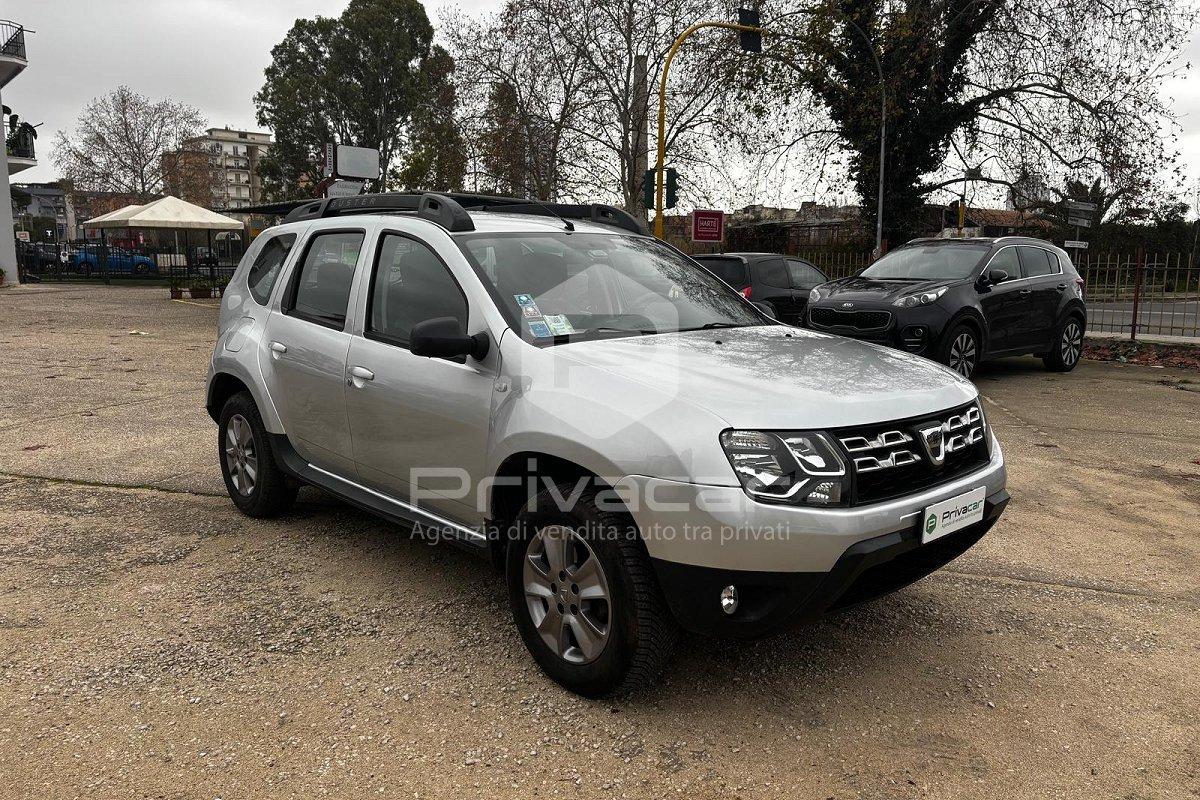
[1, 276]
[176, 288]
[201, 289]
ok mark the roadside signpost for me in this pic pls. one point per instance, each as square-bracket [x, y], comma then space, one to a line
[344, 189]
[1075, 244]
[1079, 215]
[708, 226]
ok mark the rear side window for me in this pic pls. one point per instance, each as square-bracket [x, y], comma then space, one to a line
[730, 270]
[410, 285]
[322, 291]
[804, 275]
[265, 269]
[1035, 261]
[773, 273]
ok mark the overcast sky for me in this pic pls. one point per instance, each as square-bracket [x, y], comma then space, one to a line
[212, 53]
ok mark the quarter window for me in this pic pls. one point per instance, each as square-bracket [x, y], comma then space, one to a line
[1035, 261]
[323, 286]
[265, 269]
[730, 270]
[410, 285]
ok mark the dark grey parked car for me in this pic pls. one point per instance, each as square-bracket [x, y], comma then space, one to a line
[780, 283]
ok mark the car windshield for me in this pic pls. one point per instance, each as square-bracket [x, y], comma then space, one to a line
[932, 261]
[560, 287]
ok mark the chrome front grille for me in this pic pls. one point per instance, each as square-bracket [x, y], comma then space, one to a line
[898, 458]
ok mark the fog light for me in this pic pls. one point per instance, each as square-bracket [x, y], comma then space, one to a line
[729, 599]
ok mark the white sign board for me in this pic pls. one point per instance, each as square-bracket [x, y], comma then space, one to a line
[1079, 205]
[1074, 245]
[23, 236]
[356, 163]
[344, 189]
[1082, 222]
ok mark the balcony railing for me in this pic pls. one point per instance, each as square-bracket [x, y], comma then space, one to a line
[19, 144]
[13, 37]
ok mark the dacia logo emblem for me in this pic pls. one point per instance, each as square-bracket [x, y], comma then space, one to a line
[847, 305]
[934, 439]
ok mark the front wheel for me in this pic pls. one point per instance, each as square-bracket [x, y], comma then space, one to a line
[584, 595]
[1067, 348]
[960, 350]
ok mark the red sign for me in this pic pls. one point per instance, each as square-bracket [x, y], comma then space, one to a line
[708, 226]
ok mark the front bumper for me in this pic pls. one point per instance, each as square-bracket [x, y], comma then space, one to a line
[915, 329]
[769, 601]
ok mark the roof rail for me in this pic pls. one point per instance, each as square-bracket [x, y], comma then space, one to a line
[448, 209]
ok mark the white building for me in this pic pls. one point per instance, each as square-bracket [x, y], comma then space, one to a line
[18, 153]
[234, 157]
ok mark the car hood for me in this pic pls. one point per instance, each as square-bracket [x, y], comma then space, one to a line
[870, 291]
[775, 376]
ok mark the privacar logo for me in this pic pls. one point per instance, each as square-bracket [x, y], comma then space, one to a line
[931, 523]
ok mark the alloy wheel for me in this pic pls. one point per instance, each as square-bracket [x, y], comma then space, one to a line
[241, 454]
[1072, 343]
[963, 354]
[566, 592]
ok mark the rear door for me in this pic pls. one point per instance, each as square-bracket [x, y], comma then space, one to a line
[304, 356]
[1004, 306]
[805, 277]
[1044, 287]
[772, 285]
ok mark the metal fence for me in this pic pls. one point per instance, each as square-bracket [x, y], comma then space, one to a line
[201, 267]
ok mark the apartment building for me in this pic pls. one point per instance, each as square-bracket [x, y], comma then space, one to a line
[233, 158]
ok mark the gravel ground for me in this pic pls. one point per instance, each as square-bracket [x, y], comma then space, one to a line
[155, 643]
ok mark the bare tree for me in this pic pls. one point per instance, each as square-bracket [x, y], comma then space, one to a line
[119, 141]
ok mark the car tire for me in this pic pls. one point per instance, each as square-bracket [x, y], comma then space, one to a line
[613, 633]
[960, 349]
[1065, 352]
[255, 483]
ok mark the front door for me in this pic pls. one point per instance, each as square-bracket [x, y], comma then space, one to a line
[1003, 304]
[420, 425]
[304, 351]
[1045, 286]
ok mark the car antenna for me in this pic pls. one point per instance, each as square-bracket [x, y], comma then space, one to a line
[566, 222]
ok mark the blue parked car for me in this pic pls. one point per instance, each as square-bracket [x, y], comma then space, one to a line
[119, 261]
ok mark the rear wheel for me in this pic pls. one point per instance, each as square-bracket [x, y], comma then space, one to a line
[960, 350]
[1064, 354]
[584, 595]
[256, 484]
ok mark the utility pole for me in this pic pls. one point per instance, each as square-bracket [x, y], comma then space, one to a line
[639, 138]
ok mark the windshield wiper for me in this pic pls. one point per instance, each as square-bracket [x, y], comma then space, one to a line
[708, 326]
[610, 329]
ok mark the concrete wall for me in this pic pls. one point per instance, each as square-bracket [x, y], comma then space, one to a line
[8, 240]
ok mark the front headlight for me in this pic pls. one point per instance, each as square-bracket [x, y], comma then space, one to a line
[814, 295]
[787, 466]
[923, 299]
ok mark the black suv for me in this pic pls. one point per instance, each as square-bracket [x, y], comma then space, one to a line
[959, 301]
[780, 283]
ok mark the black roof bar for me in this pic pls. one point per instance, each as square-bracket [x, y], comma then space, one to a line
[448, 209]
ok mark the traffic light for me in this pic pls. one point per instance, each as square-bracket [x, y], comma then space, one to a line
[751, 41]
[670, 188]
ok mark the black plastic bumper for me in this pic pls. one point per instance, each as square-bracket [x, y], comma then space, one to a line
[771, 601]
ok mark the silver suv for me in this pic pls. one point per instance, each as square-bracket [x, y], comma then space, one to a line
[635, 444]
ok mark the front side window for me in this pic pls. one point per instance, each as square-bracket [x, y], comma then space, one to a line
[773, 273]
[1006, 260]
[265, 269]
[804, 275]
[410, 285]
[929, 261]
[322, 291]
[558, 287]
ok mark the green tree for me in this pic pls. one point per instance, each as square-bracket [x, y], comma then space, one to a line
[358, 79]
[437, 156]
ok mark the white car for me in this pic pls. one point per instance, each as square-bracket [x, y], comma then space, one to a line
[639, 447]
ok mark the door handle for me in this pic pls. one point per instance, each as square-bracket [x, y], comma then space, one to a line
[362, 374]
[1026, 291]
[1062, 286]
[278, 348]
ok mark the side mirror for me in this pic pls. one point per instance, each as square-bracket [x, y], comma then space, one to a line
[764, 308]
[443, 337]
[995, 276]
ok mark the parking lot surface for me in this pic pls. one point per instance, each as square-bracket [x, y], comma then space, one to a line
[155, 643]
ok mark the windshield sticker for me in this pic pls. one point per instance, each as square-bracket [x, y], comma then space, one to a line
[598, 253]
[524, 299]
[540, 329]
[530, 311]
[559, 325]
